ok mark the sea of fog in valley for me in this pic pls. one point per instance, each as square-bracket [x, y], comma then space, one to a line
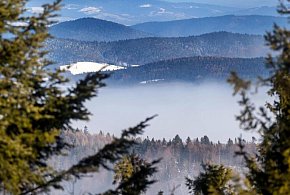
[187, 109]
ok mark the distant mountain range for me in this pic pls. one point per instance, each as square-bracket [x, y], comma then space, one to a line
[147, 50]
[237, 24]
[91, 29]
[131, 12]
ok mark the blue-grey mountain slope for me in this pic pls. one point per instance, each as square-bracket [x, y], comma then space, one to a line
[252, 24]
[191, 69]
[147, 50]
[91, 29]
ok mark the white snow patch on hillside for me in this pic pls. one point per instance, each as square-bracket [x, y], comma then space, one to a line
[86, 67]
[151, 81]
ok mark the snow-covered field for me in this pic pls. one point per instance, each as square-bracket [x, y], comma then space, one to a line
[86, 67]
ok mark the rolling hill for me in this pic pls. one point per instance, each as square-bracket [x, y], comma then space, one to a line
[92, 29]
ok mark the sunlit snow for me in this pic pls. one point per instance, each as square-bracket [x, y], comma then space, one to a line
[86, 67]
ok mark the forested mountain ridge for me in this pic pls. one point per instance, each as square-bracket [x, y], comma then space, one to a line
[251, 24]
[190, 69]
[92, 29]
[147, 50]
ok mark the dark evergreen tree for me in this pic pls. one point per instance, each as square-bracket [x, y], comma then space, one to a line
[269, 170]
[230, 142]
[34, 109]
[204, 140]
[188, 141]
[213, 180]
[177, 141]
[132, 165]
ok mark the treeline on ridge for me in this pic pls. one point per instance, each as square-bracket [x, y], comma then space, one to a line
[148, 50]
[180, 157]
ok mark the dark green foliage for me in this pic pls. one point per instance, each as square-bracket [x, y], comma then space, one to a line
[32, 110]
[214, 180]
[132, 174]
[138, 183]
[35, 108]
[269, 170]
[109, 154]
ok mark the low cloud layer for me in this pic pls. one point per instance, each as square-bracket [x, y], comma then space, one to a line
[184, 109]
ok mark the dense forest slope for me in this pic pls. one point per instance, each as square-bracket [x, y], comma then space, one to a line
[92, 29]
[190, 70]
[147, 50]
[252, 24]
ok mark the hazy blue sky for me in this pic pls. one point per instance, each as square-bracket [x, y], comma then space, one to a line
[235, 3]
[131, 12]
